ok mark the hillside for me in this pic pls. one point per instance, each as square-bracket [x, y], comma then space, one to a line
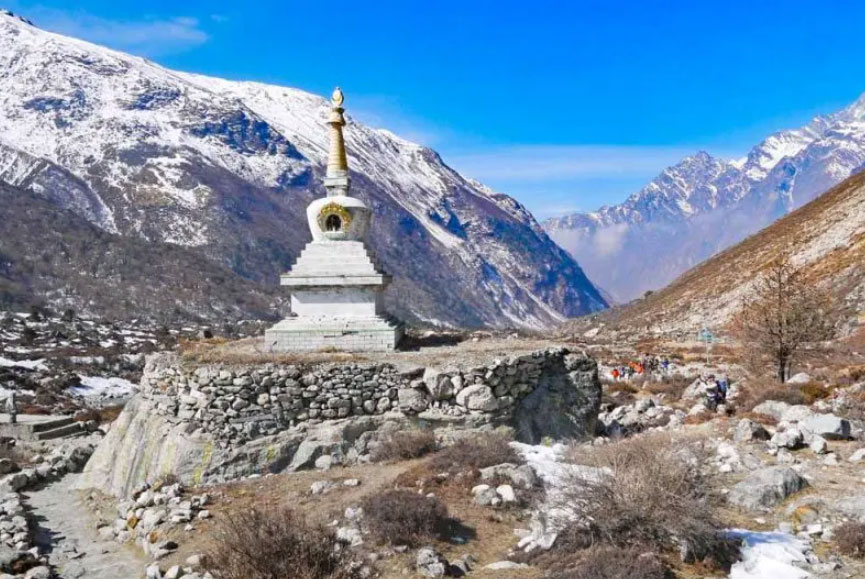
[826, 237]
[226, 169]
[52, 252]
[704, 204]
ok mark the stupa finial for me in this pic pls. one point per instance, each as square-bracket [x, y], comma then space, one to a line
[336, 180]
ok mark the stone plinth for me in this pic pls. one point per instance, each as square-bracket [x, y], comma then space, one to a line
[213, 422]
[350, 334]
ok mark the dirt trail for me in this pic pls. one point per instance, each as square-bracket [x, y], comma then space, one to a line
[67, 532]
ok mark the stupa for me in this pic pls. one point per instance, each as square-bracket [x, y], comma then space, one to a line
[336, 283]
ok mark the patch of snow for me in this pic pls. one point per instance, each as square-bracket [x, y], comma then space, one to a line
[113, 387]
[769, 555]
[28, 364]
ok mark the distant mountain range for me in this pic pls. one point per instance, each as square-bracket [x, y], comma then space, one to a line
[151, 159]
[703, 204]
[825, 238]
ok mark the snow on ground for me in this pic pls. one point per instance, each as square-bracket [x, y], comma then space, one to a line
[105, 387]
[5, 392]
[28, 364]
[765, 555]
[769, 555]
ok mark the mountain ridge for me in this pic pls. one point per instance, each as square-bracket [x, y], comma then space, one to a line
[226, 168]
[704, 204]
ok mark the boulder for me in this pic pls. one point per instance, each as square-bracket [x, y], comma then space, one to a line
[857, 456]
[766, 488]
[563, 405]
[478, 397]
[818, 445]
[522, 476]
[828, 426]
[430, 563]
[438, 384]
[791, 438]
[747, 430]
[800, 378]
[412, 400]
[772, 408]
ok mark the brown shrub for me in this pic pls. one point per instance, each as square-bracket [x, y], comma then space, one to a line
[754, 396]
[671, 386]
[605, 562]
[402, 517]
[850, 539]
[100, 415]
[620, 386]
[405, 445]
[764, 419]
[814, 391]
[649, 491]
[699, 418]
[477, 452]
[274, 544]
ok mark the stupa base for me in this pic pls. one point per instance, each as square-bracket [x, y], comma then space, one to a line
[345, 334]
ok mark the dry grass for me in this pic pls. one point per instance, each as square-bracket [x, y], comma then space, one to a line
[100, 415]
[405, 445]
[649, 491]
[754, 396]
[476, 452]
[670, 386]
[850, 539]
[401, 517]
[274, 544]
[613, 563]
[764, 419]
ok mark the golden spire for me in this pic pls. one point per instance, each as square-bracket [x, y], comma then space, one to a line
[336, 180]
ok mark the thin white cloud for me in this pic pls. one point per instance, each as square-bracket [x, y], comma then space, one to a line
[145, 37]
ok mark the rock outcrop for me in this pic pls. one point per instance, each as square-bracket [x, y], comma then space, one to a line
[216, 422]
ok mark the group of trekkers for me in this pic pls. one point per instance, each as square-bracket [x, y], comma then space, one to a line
[645, 366]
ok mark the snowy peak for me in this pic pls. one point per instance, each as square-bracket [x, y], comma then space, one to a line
[702, 204]
[227, 169]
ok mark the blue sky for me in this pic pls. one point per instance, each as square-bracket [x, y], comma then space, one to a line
[564, 105]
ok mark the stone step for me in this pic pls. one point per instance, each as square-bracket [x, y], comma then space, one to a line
[61, 432]
[51, 424]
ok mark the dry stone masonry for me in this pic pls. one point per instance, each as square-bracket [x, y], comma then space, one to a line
[215, 422]
[236, 404]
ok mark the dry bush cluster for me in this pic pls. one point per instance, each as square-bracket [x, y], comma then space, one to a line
[474, 453]
[402, 517]
[671, 386]
[604, 562]
[405, 445]
[850, 539]
[753, 396]
[649, 492]
[275, 544]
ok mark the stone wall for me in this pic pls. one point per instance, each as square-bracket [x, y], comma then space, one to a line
[215, 422]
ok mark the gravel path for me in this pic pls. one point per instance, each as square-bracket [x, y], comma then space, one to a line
[66, 531]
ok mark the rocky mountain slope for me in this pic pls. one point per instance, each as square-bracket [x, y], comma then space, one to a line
[226, 169]
[49, 254]
[704, 204]
[826, 237]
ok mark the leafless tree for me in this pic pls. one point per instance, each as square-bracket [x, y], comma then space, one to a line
[783, 314]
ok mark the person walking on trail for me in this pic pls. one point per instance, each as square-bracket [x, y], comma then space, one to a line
[722, 385]
[10, 407]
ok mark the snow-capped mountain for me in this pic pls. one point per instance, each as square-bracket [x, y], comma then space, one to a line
[702, 205]
[227, 168]
[825, 239]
